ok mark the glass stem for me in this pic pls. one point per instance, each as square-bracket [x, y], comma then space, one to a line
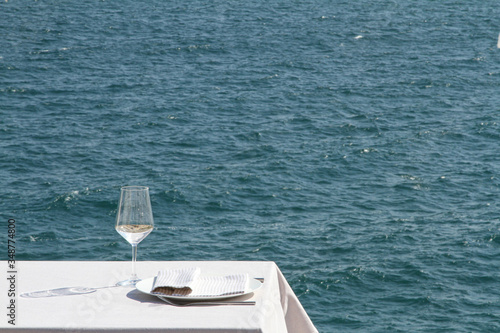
[134, 259]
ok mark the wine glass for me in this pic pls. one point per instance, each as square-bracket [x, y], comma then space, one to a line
[134, 221]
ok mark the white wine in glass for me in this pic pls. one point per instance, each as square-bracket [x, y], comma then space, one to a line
[134, 221]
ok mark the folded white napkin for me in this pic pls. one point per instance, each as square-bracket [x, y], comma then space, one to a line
[220, 285]
[188, 282]
[177, 282]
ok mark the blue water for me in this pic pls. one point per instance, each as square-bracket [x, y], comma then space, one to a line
[354, 143]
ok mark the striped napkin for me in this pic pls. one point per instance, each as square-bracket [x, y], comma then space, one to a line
[178, 282]
[188, 282]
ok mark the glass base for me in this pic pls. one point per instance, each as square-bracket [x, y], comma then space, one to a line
[59, 292]
[129, 282]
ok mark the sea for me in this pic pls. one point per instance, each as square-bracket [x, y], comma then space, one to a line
[354, 143]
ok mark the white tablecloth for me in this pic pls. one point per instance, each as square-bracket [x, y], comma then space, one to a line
[125, 309]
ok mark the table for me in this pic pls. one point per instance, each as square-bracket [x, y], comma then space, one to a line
[125, 309]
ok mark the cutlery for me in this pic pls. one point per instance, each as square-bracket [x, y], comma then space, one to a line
[204, 303]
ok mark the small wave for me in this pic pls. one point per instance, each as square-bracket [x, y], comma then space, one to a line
[43, 237]
[493, 239]
[13, 90]
[368, 150]
[66, 200]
